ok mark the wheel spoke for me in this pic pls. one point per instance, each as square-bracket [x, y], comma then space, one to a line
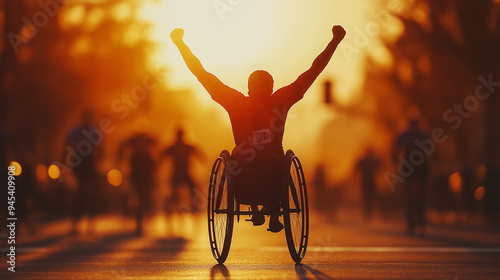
[220, 218]
[295, 201]
[296, 226]
[294, 193]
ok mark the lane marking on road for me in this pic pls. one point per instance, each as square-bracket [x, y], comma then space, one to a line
[395, 249]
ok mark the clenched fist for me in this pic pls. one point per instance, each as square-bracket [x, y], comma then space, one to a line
[177, 35]
[338, 32]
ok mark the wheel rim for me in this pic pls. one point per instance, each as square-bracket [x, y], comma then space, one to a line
[296, 202]
[297, 220]
[219, 211]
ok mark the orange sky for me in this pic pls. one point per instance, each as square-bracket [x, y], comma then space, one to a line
[282, 37]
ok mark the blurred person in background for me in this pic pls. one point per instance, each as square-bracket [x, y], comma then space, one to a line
[4, 140]
[22, 150]
[181, 154]
[415, 184]
[492, 197]
[319, 183]
[367, 168]
[82, 153]
[139, 151]
[469, 184]
[327, 198]
[4, 161]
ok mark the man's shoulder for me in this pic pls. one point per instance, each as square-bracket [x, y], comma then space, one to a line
[238, 103]
[289, 94]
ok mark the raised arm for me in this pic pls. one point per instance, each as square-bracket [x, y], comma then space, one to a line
[192, 62]
[308, 77]
[209, 81]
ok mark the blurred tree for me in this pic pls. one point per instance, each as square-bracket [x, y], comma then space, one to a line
[446, 51]
[57, 59]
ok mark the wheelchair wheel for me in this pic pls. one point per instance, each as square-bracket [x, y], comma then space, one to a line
[295, 208]
[220, 209]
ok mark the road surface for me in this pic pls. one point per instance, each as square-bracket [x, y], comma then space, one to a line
[180, 250]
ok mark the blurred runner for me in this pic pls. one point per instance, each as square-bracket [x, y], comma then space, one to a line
[82, 152]
[139, 150]
[416, 182]
[181, 155]
[367, 167]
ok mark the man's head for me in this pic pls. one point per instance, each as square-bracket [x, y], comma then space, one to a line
[88, 117]
[180, 134]
[260, 84]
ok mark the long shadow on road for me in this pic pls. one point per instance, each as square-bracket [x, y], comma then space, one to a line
[99, 255]
[219, 269]
[435, 235]
[79, 250]
[304, 272]
[307, 273]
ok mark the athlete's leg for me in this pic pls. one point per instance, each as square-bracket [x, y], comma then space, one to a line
[78, 205]
[258, 218]
[173, 200]
[192, 190]
[274, 222]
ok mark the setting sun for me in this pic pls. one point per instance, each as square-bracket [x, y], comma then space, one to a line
[251, 35]
[282, 38]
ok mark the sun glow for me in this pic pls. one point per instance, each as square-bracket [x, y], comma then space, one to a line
[282, 37]
[278, 36]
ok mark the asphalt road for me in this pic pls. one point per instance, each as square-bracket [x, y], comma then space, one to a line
[336, 251]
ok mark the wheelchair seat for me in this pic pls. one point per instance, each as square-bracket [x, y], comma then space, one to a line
[263, 180]
[259, 180]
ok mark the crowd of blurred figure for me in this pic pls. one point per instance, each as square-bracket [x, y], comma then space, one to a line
[94, 193]
[421, 189]
[447, 50]
[457, 198]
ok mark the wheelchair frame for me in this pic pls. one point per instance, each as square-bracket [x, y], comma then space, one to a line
[223, 207]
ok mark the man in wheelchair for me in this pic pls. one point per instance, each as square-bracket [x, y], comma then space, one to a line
[258, 122]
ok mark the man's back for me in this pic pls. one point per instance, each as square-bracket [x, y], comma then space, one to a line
[180, 153]
[258, 125]
[141, 160]
[85, 169]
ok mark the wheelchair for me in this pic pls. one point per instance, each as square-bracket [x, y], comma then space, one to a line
[231, 188]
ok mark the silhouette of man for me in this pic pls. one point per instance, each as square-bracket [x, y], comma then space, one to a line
[416, 183]
[326, 199]
[142, 171]
[181, 153]
[258, 120]
[367, 167]
[85, 171]
[319, 182]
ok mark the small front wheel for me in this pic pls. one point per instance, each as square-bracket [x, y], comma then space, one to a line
[220, 208]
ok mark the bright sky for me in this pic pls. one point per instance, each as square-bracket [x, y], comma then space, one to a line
[282, 37]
